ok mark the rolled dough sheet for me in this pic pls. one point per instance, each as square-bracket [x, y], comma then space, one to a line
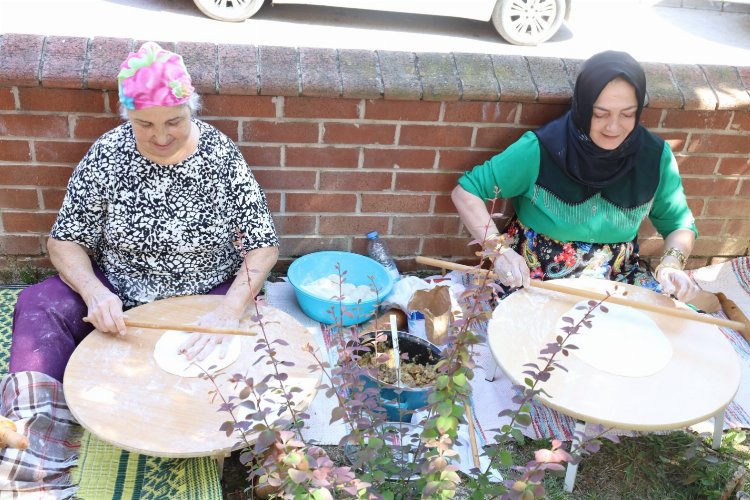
[170, 360]
[624, 341]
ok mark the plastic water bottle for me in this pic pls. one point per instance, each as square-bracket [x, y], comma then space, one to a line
[378, 251]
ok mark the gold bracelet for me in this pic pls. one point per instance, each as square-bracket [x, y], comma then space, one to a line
[676, 253]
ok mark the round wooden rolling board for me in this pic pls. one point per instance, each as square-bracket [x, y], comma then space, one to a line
[701, 377]
[116, 391]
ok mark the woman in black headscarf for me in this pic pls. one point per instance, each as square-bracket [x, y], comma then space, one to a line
[581, 186]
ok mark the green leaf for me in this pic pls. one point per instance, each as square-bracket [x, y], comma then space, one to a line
[458, 411]
[293, 459]
[430, 434]
[460, 379]
[523, 419]
[506, 458]
[446, 424]
[375, 443]
[430, 488]
[517, 435]
[445, 408]
[436, 397]
[322, 494]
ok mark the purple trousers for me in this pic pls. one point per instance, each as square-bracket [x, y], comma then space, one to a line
[48, 325]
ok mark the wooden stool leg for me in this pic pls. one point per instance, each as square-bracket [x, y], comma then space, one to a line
[570, 477]
[219, 464]
[718, 429]
[572, 469]
[490, 370]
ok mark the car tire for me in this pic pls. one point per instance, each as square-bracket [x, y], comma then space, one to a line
[528, 22]
[229, 10]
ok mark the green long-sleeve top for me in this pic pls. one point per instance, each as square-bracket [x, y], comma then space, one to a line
[516, 170]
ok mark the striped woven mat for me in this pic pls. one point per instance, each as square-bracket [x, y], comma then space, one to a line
[105, 472]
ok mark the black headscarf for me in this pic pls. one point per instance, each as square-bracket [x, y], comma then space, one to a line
[567, 138]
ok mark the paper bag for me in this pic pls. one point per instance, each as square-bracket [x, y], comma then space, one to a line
[435, 305]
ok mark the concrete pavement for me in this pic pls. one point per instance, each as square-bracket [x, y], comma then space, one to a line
[650, 32]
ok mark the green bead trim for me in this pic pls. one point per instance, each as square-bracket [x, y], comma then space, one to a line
[595, 206]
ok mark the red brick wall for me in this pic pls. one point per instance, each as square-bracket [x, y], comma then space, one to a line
[345, 142]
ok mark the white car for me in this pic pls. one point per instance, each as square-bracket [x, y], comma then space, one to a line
[520, 22]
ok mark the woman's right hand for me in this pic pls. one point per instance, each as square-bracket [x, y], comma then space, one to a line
[511, 269]
[105, 312]
[75, 268]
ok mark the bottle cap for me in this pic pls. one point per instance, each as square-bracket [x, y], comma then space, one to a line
[372, 235]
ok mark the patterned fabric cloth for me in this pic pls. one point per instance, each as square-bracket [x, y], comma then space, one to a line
[552, 259]
[162, 231]
[35, 402]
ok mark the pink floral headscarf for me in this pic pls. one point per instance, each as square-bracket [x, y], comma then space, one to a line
[153, 77]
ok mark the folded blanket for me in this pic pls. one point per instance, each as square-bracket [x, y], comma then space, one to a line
[35, 402]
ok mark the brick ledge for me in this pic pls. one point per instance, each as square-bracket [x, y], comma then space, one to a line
[92, 63]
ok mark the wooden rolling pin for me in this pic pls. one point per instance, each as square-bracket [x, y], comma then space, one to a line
[706, 302]
[590, 294]
[184, 327]
[734, 313]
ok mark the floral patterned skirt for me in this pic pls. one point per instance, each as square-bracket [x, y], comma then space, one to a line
[552, 259]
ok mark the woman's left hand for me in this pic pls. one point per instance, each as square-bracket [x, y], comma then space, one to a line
[200, 345]
[678, 283]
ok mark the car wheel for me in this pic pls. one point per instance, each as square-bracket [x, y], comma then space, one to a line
[229, 10]
[528, 22]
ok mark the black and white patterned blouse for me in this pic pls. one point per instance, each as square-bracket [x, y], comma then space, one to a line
[161, 231]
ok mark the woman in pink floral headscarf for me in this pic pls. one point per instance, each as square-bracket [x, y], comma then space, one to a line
[163, 205]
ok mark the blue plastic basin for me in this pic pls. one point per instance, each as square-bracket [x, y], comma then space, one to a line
[359, 271]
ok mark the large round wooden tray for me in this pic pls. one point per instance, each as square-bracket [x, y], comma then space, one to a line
[700, 379]
[115, 389]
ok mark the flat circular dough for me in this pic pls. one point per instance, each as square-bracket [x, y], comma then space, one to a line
[167, 356]
[623, 341]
